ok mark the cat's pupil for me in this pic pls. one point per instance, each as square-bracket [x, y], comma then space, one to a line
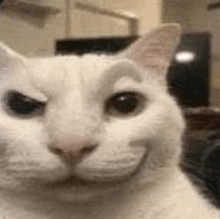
[124, 103]
[22, 105]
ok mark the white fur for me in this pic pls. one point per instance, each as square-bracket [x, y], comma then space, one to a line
[132, 174]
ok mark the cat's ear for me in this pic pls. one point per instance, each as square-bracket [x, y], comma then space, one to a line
[8, 56]
[156, 48]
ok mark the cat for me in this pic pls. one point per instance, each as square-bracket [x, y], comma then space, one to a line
[94, 137]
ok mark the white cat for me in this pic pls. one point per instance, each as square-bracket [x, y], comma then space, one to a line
[94, 137]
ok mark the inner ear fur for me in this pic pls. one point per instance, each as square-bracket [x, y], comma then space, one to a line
[156, 48]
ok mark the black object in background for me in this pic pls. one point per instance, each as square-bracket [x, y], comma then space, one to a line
[211, 170]
[200, 161]
[188, 81]
[1, 1]
[93, 45]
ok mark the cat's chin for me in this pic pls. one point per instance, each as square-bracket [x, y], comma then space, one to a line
[78, 189]
[74, 189]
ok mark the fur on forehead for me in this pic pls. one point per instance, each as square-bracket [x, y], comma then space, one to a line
[63, 68]
[55, 74]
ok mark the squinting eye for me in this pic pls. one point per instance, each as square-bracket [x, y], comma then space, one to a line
[125, 103]
[21, 105]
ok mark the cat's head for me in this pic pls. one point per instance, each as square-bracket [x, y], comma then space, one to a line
[71, 122]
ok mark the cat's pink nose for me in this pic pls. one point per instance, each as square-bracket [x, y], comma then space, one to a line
[73, 148]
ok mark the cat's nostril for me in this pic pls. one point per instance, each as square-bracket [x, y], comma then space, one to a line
[87, 150]
[57, 151]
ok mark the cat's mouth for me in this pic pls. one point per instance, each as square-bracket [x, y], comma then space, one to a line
[75, 181]
[113, 181]
[99, 180]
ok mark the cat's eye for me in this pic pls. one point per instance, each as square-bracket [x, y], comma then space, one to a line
[21, 105]
[125, 103]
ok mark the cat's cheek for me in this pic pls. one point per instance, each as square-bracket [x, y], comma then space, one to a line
[3, 147]
[30, 171]
[117, 156]
[112, 161]
[26, 152]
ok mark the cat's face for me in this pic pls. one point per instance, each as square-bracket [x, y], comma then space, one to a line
[69, 122]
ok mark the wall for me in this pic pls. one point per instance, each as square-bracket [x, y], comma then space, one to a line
[214, 27]
[176, 12]
[36, 36]
[192, 15]
[198, 15]
[147, 11]
[31, 36]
